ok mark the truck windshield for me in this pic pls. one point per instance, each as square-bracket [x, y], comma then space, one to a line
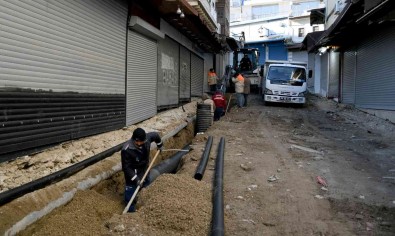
[246, 61]
[285, 74]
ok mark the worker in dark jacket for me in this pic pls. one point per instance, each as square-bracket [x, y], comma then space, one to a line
[135, 161]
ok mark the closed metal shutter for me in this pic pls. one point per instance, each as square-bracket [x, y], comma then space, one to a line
[60, 46]
[141, 78]
[197, 75]
[324, 74]
[185, 74]
[168, 79]
[317, 74]
[62, 73]
[375, 81]
[300, 56]
[278, 51]
[348, 77]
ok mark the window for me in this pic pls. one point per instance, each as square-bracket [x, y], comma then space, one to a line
[315, 28]
[235, 3]
[301, 32]
[264, 11]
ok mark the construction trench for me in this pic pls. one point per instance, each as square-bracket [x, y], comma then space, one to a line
[184, 198]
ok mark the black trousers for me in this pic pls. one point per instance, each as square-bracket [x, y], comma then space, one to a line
[219, 111]
[213, 88]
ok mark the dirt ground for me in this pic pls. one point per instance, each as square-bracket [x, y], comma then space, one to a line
[324, 169]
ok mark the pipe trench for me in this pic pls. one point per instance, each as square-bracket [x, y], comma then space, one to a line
[17, 192]
[88, 182]
[167, 166]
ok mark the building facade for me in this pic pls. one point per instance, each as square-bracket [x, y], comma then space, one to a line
[70, 69]
[276, 27]
[353, 59]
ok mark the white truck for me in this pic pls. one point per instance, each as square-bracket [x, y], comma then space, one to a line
[284, 83]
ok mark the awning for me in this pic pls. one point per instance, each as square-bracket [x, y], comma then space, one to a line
[317, 16]
[354, 23]
[192, 25]
[311, 40]
[232, 43]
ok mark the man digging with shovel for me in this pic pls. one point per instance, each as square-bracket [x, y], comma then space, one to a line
[135, 160]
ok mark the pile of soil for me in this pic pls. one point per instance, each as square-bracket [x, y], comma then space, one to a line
[172, 205]
[84, 215]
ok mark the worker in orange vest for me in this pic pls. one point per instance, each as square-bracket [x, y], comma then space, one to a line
[212, 80]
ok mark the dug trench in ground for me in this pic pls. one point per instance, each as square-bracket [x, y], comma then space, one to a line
[97, 211]
[19, 213]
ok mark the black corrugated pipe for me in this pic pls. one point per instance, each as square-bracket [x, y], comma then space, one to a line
[167, 166]
[14, 193]
[203, 161]
[218, 202]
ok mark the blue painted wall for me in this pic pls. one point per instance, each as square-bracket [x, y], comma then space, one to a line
[277, 50]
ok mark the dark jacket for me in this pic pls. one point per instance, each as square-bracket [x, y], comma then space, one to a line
[135, 161]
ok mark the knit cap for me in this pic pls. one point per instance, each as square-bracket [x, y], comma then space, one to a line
[139, 135]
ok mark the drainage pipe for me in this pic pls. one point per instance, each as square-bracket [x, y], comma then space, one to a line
[218, 203]
[14, 193]
[167, 166]
[203, 161]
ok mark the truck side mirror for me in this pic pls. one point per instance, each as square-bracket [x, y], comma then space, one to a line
[310, 73]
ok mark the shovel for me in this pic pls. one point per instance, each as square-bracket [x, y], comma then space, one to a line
[230, 99]
[141, 182]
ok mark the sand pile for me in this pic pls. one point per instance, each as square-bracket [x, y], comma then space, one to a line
[86, 214]
[172, 205]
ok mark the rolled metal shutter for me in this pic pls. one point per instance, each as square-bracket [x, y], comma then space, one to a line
[375, 81]
[168, 77]
[62, 73]
[348, 77]
[185, 74]
[197, 75]
[141, 78]
[300, 56]
[324, 74]
[60, 46]
[278, 51]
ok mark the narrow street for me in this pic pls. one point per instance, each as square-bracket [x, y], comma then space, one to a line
[274, 155]
[323, 169]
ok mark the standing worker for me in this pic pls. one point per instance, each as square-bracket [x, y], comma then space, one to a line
[220, 104]
[238, 80]
[207, 100]
[135, 161]
[212, 80]
[247, 85]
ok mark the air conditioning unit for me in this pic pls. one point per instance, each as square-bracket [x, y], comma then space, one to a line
[337, 8]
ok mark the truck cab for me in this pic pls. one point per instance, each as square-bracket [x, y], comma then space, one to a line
[285, 83]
